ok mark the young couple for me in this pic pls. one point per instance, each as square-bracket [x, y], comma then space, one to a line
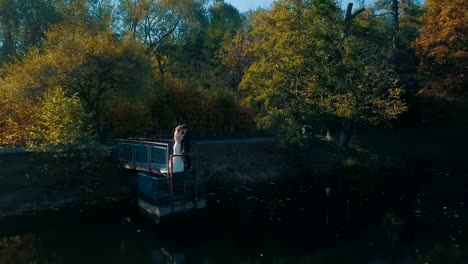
[182, 145]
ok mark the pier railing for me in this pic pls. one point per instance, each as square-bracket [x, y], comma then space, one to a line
[155, 180]
[149, 156]
[171, 190]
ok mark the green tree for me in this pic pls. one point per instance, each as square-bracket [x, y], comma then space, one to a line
[59, 123]
[402, 22]
[236, 58]
[306, 73]
[23, 23]
[9, 26]
[225, 21]
[132, 14]
[162, 26]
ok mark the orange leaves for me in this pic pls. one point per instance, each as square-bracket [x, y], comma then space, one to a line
[445, 30]
[442, 46]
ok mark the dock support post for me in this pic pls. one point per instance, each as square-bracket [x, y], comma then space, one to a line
[133, 155]
[195, 190]
[148, 158]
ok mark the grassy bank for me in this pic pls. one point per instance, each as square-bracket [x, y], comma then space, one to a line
[33, 181]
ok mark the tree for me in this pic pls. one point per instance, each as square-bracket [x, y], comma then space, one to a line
[442, 48]
[393, 9]
[92, 65]
[9, 26]
[162, 26]
[59, 123]
[402, 18]
[225, 21]
[132, 13]
[23, 23]
[306, 74]
[236, 59]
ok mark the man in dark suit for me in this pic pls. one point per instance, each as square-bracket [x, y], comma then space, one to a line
[187, 146]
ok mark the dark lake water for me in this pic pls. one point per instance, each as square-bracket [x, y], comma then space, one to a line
[268, 223]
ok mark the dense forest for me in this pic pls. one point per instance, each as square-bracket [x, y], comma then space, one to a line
[76, 71]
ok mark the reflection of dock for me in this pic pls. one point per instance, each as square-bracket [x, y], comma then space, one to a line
[160, 191]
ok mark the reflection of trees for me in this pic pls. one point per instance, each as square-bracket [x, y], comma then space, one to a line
[165, 256]
[19, 249]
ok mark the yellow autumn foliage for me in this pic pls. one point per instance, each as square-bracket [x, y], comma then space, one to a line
[442, 47]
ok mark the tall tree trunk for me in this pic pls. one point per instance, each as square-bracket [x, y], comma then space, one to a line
[396, 32]
[339, 135]
[342, 133]
[347, 139]
[8, 39]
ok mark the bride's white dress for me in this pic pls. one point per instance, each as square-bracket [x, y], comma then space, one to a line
[177, 162]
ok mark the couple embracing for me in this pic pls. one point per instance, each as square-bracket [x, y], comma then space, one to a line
[182, 146]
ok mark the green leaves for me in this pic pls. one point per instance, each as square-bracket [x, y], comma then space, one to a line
[59, 123]
[307, 73]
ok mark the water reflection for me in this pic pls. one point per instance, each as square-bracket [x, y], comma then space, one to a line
[288, 224]
[29, 249]
[134, 247]
[19, 249]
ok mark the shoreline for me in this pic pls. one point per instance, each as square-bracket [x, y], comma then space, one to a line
[33, 182]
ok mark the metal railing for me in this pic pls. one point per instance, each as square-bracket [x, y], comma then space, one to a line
[142, 155]
[170, 190]
[156, 181]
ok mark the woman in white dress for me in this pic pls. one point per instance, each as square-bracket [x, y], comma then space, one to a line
[178, 162]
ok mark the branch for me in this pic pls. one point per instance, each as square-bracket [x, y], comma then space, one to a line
[355, 14]
[164, 36]
[384, 14]
[381, 4]
[348, 12]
